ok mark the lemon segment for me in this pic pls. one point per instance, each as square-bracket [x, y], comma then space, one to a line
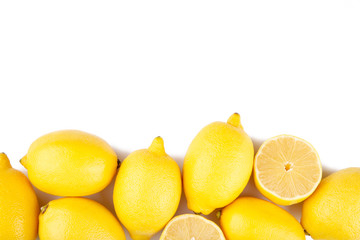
[191, 227]
[287, 169]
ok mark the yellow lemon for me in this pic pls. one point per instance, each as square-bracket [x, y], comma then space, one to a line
[333, 211]
[287, 169]
[147, 190]
[70, 163]
[191, 227]
[78, 218]
[217, 165]
[249, 218]
[19, 208]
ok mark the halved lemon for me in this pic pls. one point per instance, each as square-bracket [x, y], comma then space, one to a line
[287, 169]
[191, 227]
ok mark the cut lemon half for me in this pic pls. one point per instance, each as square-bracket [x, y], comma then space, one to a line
[287, 169]
[191, 227]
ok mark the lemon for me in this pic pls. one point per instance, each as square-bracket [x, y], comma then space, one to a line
[333, 211]
[191, 227]
[287, 169]
[217, 165]
[70, 163]
[78, 218]
[249, 218]
[19, 208]
[147, 190]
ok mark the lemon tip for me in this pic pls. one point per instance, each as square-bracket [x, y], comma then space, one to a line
[4, 161]
[157, 146]
[23, 161]
[234, 120]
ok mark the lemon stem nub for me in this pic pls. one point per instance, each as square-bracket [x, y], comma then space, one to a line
[43, 208]
[157, 146]
[4, 161]
[234, 120]
[218, 214]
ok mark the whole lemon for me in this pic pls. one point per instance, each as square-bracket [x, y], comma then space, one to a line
[217, 165]
[19, 208]
[249, 218]
[70, 163]
[333, 211]
[147, 190]
[78, 218]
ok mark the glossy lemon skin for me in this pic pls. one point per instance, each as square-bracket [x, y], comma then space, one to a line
[249, 218]
[333, 211]
[70, 163]
[147, 190]
[80, 219]
[217, 165]
[19, 208]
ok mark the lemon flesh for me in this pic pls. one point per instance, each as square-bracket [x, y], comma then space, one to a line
[333, 211]
[287, 169]
[217, 165]
[191, 227]
[249, 218]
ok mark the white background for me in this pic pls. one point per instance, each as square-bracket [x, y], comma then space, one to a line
[129, 71]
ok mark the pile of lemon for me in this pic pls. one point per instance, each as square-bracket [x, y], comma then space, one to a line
[148, 187]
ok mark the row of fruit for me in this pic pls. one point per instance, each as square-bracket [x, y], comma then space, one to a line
[148, 187]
